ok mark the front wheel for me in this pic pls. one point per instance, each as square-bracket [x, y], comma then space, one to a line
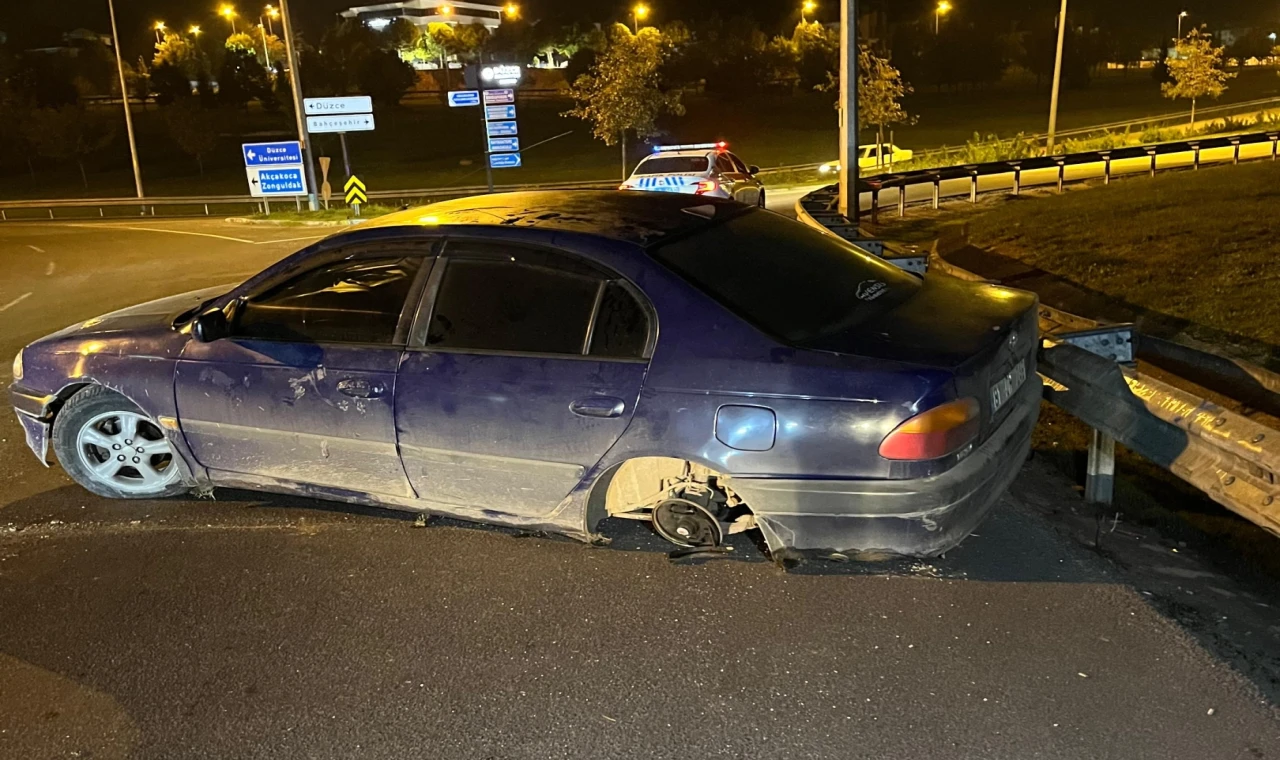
[112, 448]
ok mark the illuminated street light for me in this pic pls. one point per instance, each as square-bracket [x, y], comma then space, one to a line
[639, 13]
[942, 9]
[194, 31]
[229, 13]
[124, 98]
[805, 8]
[272, 14]
[445, 10]
[159, 27]
[512, 10]
[1180, 17]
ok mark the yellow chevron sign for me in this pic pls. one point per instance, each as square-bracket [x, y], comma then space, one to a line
[355, 191]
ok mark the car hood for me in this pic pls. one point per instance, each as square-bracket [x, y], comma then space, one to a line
[159, 312]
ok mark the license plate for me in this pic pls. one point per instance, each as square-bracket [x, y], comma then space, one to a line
[1007, 386]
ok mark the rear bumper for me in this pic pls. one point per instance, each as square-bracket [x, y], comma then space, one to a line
[874, 518]
[36, 418]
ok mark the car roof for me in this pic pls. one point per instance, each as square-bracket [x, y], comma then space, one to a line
[634, 217]
[702, 153]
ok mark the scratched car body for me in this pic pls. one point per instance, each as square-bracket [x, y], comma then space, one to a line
[550, 360]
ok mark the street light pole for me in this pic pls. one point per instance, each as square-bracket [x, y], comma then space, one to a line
[295, 84]
[124, 98]
[1057, 77]
[1180, 17]
[848, 203]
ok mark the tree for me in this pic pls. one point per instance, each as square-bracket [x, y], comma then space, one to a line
[385, 77]
[181, 53]
[817, 51]
[622, 90]
[69, 132]
[192, 128]
[400, 35]
[880, 93]
[169, 83]
[242, 78]
[1196, 70]
[44, 80]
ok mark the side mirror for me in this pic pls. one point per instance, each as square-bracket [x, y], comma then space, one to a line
[210, 326]
[753, 169]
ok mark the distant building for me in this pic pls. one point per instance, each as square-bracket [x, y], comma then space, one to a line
[423, 12]
[73, 42]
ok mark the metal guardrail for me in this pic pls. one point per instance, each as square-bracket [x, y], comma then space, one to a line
[1093, 374]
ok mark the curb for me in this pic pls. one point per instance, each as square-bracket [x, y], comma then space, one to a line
[291, 223]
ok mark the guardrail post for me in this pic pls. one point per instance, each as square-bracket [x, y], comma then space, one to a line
[1235, 144]
[101, 214]
[1273, 137]
[973, 184]
[1195, 155]
[937, 187]
[1100, 478]
[1106, 166]
[1062, 171]
[1152, 152]
[1017, 176]
[902, 201]
[875, 203]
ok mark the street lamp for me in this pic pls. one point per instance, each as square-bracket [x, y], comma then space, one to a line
[1180, 17]
[1057, 77]
[809, 6]
[124, 98]
[445, 10]
[229, 13]
[266, 52]
[512, 10]
[638, 13]
[941, 10]
[272, 13]
[194, 31]
[159, 27]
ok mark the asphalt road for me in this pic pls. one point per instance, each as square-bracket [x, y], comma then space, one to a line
[266, 627]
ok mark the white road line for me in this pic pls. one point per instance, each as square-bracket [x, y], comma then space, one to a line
[289, 240]
[15, 302]
[157, 229]
[49, 269]
[37, 250]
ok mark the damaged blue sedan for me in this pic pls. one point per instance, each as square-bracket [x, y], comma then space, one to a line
[554, 361]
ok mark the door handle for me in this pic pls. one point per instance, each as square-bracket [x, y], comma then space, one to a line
[598, 406]
[358, 388]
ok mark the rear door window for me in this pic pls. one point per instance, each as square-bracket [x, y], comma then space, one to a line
[723, 164]
[514, 300]
[786, 278]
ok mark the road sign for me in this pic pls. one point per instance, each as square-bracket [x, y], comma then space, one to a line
[267, 181]
[464, 98]
[272, 154]
[361, 122]
[503, 144]
[337, 106]
[504, 160]
[326, 190]
[496, 113]
[499, 97]
[355, 191]
[501, 129]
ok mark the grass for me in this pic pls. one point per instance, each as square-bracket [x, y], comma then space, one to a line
[1197, 245]
[335, 213]
[429, 145]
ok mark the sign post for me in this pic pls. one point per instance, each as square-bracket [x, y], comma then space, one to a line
[355, 194]
[351, 113]
[494, 85]
[326, 191]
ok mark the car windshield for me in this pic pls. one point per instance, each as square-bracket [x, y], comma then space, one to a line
[788, 279]
[673, 165]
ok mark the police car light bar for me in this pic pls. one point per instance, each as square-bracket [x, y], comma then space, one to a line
[692, 146]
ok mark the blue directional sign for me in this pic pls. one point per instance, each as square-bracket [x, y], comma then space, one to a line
[504, 160]
[288, 180]
[503, 144]
[272, 154]
[501, 129]
[498, 113]
[464, 98]
[495, 97]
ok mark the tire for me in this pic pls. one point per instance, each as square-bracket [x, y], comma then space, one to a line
[89, 439]
[760, 199]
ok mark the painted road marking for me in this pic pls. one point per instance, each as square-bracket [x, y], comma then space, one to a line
[289, 240]
[15, 302]
[157, 229]
[37, 250]
[49, 269]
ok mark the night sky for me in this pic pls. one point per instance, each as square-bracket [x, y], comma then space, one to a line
[33, 22]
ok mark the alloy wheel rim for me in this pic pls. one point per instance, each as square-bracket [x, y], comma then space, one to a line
[126, 451]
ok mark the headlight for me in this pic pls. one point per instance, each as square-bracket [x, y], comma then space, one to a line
[17, 366]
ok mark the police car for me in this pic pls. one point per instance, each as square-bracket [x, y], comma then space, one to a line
[697, 169]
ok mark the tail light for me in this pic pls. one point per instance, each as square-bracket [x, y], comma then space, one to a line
[936, 433]
[706, 186]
